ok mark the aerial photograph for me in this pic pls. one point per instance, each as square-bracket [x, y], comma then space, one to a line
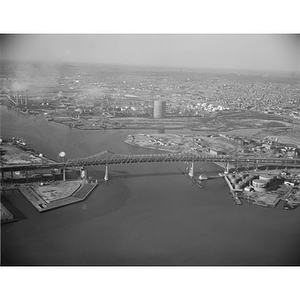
[150, 149]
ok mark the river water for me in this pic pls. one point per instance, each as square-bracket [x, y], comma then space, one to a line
[147, 214]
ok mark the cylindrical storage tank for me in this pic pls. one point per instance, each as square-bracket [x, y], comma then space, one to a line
[266, 177]
[159, 110]
[259, 185]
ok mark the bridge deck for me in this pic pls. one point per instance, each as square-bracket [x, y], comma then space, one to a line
[109, 158]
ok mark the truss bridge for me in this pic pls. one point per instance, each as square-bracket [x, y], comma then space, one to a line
[109, 158]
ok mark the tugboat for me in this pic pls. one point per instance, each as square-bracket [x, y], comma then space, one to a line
[202, 177]
[190, 176]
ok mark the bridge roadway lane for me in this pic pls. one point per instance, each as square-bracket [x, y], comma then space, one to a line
[108, 158]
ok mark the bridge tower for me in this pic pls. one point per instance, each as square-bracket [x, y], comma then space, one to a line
[191, 171]
[106, 173]
[62, 155]
[227, 168]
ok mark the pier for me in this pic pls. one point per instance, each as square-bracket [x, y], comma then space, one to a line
[236, 199]
[42, 204]
[6, 215]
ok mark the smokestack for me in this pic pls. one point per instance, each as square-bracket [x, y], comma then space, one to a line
[26, 98]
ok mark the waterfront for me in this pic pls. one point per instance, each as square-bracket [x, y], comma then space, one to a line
[147, 214]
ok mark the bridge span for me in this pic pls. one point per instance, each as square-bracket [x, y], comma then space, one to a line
[110, 158]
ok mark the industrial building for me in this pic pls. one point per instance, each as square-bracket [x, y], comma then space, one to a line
[216, 152]
[19, 99]
[159, 110]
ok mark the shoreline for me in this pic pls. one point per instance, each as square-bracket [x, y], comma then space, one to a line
[233, 191]
[6, 215]
[149, 147]
[14, 143]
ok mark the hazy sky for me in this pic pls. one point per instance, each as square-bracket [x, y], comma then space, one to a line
[223, 51]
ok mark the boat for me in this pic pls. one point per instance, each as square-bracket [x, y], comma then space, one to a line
[221, 174]
[202, 177]
[195, 181]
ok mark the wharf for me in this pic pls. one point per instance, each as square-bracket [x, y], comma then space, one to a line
[42, 205]
[6, 215]
[262, 201]
[9, 187]
[236, 199]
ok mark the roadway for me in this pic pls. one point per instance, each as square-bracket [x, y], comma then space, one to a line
[109, 158]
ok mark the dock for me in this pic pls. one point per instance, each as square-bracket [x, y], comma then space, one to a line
[236, 199]
[43, 205]
[6, 215]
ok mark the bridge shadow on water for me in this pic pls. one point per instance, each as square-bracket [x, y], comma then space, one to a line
[124, 174]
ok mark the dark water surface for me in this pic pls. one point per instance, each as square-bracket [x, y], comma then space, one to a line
[147, 214]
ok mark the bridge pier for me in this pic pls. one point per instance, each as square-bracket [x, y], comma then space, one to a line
[64, 174]
[2, 177]
[191, 171]
[227, 168]
[106, 173]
